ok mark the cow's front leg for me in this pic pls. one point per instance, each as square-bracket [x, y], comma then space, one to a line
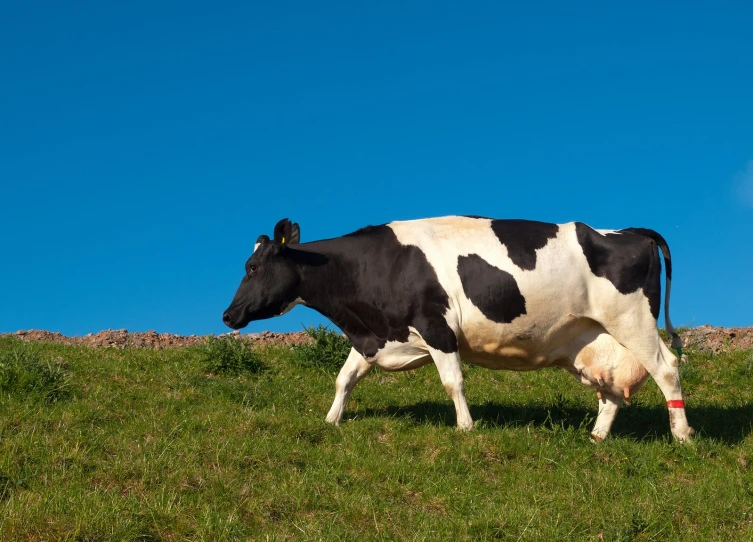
[451, 375]
[355, 368]
[608, 405]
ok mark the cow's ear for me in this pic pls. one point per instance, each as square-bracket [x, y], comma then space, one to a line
[287, 233]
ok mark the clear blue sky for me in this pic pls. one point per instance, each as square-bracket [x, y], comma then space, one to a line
[145, 145]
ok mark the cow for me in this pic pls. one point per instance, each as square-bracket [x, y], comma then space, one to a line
[499, 293]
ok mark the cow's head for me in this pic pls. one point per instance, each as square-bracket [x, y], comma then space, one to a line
[269, 287]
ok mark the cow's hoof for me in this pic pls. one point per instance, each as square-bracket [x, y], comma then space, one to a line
[596, 438]
[684, 436]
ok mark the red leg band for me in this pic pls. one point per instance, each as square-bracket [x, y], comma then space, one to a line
[676, 403]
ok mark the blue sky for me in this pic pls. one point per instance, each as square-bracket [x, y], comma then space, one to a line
[144, 146]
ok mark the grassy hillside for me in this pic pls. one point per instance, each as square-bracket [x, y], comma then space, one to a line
[223, 442]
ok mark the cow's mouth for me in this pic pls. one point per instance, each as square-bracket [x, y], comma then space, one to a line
[232, 321]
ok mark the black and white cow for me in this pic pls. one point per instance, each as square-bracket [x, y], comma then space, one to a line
[504, 294]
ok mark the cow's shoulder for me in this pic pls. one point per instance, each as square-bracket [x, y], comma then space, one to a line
[386, 287]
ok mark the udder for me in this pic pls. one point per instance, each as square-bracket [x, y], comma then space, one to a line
[602, 363]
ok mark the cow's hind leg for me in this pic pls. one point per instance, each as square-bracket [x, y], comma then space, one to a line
[354, 369]
[609, 403]
[647, 347]
[678, 421]
[451, 375]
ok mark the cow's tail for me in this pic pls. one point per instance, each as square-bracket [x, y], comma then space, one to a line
[659, 240]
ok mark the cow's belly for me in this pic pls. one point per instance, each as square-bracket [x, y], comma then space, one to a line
[579, 345]
[526, 346]
[511, 358]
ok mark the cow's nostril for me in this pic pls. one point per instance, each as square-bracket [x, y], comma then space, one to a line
[226, 319]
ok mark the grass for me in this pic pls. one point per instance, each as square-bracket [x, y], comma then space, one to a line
[24, 373]
[229, 356]
[150, 445]
[328, 349]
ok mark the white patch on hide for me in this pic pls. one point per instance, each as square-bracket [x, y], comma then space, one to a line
[298, 301]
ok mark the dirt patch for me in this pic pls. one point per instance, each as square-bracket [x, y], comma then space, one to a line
[717, 340]
[121, 338]
[705, 338]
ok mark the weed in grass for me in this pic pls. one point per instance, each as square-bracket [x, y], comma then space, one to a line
[690, 374]
[328, 350]
[745, 368]
[229, 356]
[23, 374]
[7, 486]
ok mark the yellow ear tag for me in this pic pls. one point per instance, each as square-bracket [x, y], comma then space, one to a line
[283, 241]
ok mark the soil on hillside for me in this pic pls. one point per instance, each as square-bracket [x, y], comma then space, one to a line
[122, 338]
[705, 338]
[717, 340]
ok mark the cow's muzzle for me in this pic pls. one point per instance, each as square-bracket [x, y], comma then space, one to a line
[233, 321]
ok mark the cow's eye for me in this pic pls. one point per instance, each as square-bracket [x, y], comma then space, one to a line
[252, 269]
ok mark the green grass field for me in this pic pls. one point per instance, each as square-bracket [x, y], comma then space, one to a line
[105, 444]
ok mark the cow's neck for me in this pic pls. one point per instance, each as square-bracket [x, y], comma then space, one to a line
[324, 289]
[334, 306]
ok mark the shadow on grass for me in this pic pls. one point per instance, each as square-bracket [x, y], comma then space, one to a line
[729, 425]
